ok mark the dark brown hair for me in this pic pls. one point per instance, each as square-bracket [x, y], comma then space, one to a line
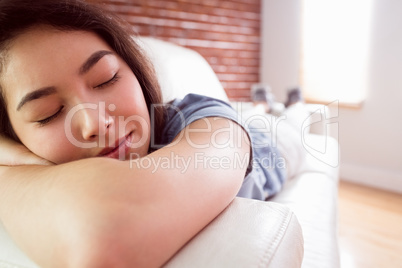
[17, 16]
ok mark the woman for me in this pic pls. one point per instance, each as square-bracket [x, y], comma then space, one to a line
[76, 95]
[60, 62]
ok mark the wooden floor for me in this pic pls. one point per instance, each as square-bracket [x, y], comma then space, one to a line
[370, 227]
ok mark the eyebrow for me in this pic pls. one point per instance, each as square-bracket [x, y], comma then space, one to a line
[43, 92]
[92, 60]
[37, 94]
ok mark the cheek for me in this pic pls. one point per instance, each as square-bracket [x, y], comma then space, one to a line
[134, 116]
[131, 101]
[51, 144]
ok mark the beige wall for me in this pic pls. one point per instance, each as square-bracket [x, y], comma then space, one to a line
[370, 137]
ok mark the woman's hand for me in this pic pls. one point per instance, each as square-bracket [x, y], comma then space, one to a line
[13, 153]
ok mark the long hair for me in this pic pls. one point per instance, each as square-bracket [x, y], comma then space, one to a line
[17, 16]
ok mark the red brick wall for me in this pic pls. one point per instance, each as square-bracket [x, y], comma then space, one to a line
[225, 32]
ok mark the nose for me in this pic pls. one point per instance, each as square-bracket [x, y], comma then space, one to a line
[94, 123]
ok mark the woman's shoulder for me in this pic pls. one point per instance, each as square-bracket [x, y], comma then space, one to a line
[192, 101]
[179, 113]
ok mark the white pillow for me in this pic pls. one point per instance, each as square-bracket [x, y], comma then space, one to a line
[181, 70]
[10, 255]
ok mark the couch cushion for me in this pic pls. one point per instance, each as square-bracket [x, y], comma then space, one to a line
[249, 233]
[313, 197]
[323, 155]
[10, 255]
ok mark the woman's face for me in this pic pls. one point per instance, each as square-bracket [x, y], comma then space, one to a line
[70, 96]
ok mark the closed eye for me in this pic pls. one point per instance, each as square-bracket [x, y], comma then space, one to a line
[50, 118]
[111, 81]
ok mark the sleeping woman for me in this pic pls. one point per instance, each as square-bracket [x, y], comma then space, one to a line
[80, 114]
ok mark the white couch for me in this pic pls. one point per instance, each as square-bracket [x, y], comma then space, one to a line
[296, 228]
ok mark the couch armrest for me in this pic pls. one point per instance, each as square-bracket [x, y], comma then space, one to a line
[318, 115]
[249, 233]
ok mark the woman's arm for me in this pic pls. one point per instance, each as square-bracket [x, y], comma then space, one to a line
[107, 213]
[14, 154]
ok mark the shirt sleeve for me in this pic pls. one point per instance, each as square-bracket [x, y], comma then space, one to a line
[264, 175]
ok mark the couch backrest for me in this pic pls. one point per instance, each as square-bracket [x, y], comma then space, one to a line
[181, 70]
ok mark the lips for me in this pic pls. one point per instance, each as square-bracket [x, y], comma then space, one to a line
[121, 148]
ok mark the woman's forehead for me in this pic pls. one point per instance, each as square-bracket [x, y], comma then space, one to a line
[47, 39]
[44, 56]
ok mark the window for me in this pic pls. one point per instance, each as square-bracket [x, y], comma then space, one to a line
[335, 49]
